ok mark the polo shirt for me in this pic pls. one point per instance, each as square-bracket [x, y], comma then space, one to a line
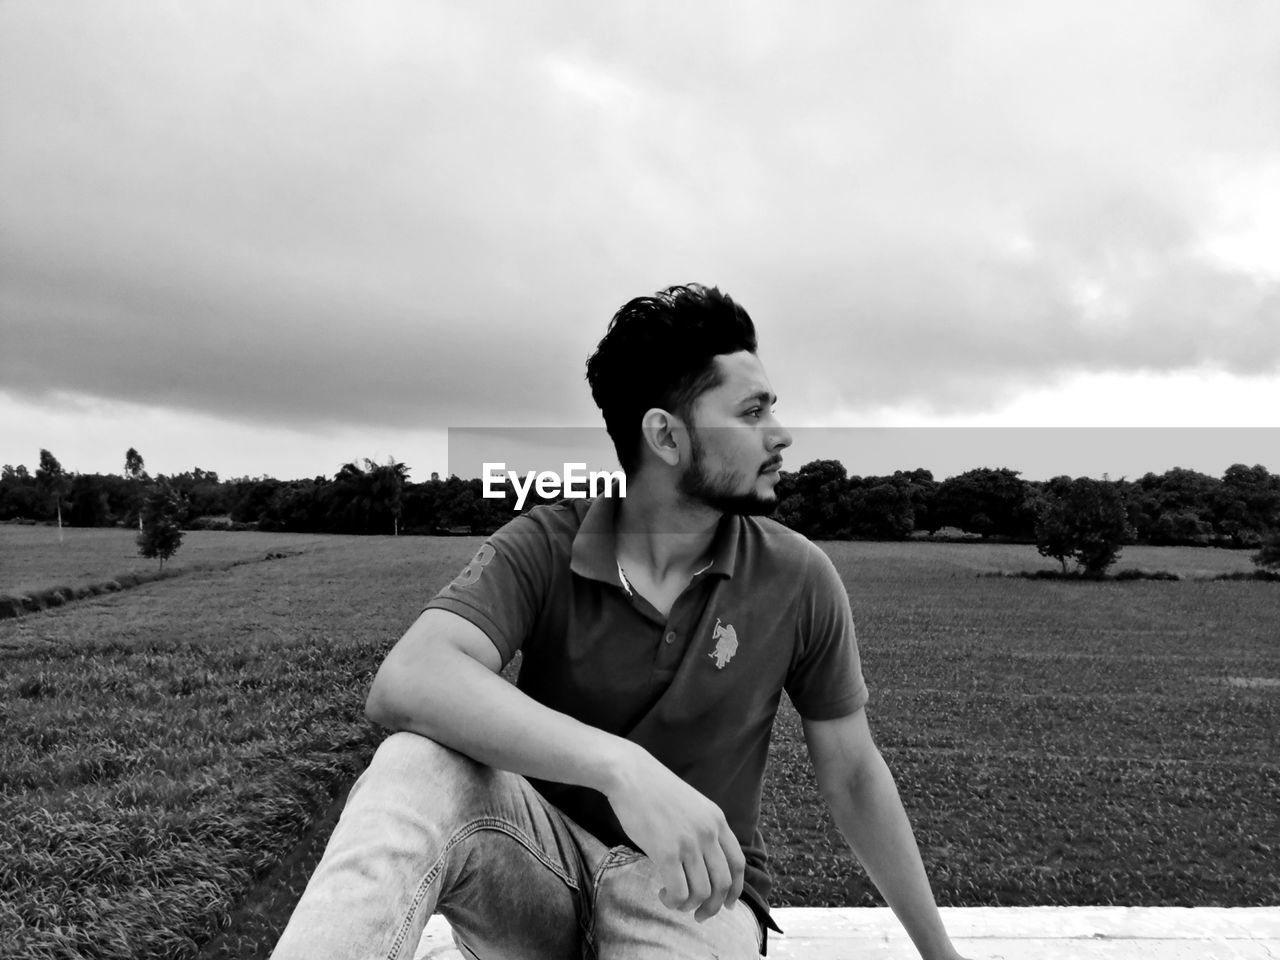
[697, 688]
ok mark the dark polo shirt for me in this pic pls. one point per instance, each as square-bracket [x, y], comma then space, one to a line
[698, 688]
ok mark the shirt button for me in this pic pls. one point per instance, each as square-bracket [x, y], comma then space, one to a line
[670, 637]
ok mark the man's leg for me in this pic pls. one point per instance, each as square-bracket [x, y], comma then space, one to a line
[631, 923]
[427, 829]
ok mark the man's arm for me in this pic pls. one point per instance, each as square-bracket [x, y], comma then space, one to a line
[858, 787]
[441, 681]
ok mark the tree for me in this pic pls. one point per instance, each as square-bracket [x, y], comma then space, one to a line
[1246, 505]
[19, 495]
[816, 501]
[1082, 519]
[387, 488]
[881, 508]
[161, 531]
[923, 491]
[52, 481]
[1174, 507]
[90, 504]
[985, 501]
[133, 469]
[1268, 558]
[133, 464]
[1054, 535]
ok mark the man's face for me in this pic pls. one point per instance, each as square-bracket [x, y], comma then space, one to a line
[736, 442]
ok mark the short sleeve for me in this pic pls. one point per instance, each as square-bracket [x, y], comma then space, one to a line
[503, 588]
[825, 677]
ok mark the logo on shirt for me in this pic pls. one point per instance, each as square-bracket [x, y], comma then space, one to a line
[726, 639]
[471, 572]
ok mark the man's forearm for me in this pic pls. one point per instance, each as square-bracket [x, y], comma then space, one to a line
[870, 815]
[460, 703]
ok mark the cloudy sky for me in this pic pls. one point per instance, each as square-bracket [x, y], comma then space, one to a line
[271, 238]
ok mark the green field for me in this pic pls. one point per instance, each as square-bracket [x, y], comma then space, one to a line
[34, 558]
[162, 748]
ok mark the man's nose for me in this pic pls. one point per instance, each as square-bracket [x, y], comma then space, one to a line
[780, 438]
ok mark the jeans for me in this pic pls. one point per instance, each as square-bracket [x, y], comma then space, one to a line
[426, 829]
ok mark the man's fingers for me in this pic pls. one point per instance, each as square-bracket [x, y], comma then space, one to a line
[721, 884]
[675, 888]
[726, 867]
[699, 883]
[736, 861]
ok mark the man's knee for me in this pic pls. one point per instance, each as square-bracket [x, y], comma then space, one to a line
[424, 769]
[416, 752]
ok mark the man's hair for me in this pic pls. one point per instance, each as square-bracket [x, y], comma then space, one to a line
[659, 352]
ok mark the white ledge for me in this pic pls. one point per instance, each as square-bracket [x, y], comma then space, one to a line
[1006, 933]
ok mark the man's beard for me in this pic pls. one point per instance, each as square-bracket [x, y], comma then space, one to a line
[719, 492]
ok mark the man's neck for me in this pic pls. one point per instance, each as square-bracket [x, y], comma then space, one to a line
[664, 533]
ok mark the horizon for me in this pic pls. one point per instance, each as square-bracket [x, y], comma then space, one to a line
[1036, 455]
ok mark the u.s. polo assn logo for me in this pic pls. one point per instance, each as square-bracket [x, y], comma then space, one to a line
[726, 639]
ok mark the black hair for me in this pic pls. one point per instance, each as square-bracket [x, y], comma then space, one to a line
[659, 351]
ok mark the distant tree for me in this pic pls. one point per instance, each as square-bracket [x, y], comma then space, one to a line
[817, 500]
[89, 500]
[387, 482]
[161, 518]
[1174, 507]
[881, 508]
[1268, 558]
[202, 493]
[459, 505]
[990, 502]
[133, 464]
[420, 508]
[366, 499]
[253, 499]
[133, 469]
[52, 482]
[19, 495]
[923, 491]
[1084, 520]
[1246, 505]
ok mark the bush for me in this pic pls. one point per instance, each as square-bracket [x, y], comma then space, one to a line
[1268, 558]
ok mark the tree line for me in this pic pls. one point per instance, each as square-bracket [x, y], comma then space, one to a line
[1180, 506]
[821, 500]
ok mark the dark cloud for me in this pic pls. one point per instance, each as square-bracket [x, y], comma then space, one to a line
[425, 216]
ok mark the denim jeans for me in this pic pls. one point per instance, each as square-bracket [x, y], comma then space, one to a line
[428, 830]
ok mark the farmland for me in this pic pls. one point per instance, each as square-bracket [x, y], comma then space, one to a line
[34, 558]
[163, 747]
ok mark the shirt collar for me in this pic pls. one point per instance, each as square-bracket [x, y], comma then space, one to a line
[595, 545]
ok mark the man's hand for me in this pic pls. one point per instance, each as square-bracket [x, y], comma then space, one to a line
[682, 832]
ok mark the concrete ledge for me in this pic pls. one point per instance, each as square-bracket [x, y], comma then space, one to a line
[1007, 933]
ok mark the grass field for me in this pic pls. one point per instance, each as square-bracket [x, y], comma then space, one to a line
[161, 749]
[33, 558]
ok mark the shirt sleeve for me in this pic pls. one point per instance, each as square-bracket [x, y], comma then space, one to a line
[503, 588]
[825, 678]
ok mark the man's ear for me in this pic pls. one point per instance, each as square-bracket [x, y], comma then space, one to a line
[663, 434]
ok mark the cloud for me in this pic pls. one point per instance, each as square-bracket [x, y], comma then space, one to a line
[424, 216]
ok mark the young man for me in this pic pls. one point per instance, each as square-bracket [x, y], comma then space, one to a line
[608, 805]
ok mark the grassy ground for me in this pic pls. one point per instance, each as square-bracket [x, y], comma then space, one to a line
[33, 558]
[162, 747]
[1057, 743]
[161, 750]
